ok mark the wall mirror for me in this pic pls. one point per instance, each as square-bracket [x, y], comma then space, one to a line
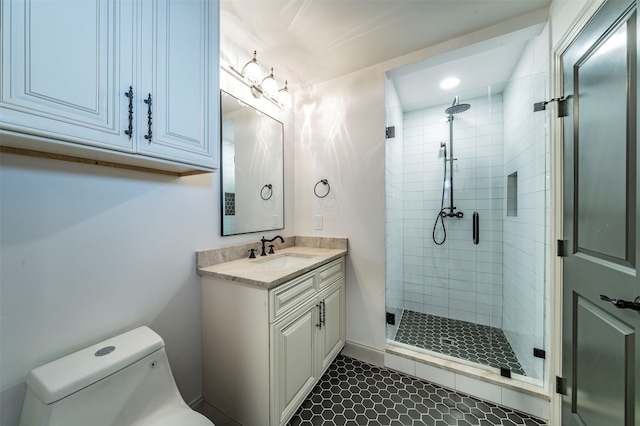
[251, 170]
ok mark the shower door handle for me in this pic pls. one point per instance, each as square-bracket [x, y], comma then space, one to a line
[476, 228]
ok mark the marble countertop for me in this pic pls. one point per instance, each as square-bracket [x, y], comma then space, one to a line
[272, 270]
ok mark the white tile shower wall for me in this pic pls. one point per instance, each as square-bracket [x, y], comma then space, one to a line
[456, 279]
[525, 152]
[394, 204]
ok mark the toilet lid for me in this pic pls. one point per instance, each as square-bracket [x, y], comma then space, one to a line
[184, 417]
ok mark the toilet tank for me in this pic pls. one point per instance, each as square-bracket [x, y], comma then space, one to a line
[120, 381]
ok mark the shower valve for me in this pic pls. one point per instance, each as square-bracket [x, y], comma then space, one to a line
[459, 215]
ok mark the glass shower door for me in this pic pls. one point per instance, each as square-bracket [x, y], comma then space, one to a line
[471, 290]
[525, 245]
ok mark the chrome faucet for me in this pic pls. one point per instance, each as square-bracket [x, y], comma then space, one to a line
[264, 240]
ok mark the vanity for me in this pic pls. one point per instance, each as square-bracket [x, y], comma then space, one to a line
[271, 325]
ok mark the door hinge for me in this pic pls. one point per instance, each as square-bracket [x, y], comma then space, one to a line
[562, 106]
[559, 385]
[391, 318]
[560, 250]
[390, 132]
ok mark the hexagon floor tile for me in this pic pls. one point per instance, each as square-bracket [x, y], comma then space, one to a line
[353, 393]
[473, 342]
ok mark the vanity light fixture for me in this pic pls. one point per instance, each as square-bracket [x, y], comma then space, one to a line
[269, 85]
[266, 87]
[449, 83]
[251, 70]
[284, 97]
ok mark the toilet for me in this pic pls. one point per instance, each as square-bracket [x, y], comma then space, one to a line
[123, 381]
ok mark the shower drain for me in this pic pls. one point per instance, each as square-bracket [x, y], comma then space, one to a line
[448, 341]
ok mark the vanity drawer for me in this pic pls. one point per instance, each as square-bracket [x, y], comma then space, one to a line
[289, 296]
[330, 272]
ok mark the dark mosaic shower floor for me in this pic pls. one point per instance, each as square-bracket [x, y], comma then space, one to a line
[461, 339]
[354, 393]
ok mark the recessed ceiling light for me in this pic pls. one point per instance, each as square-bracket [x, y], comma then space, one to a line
[449, 83]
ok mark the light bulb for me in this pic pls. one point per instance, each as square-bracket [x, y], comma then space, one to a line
[269, 85]
[449, 83]
[251, 70]
[284, 97]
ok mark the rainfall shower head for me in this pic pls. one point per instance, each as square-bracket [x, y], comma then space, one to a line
[456, 107]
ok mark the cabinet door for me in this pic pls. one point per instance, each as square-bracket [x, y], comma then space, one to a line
[293, 353]
[332, 334]
[179, 69]
[65, 68]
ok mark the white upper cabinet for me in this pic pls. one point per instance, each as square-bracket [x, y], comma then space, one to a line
[68, 66]
[64, 64]
[176, 70]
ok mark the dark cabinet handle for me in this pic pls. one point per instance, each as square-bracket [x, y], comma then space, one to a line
[319, 323]
[129, 94]
[623, 304]
[476, 228]
[323, 315]
[149, 134]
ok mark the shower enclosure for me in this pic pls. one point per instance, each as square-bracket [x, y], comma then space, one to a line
[478, 293]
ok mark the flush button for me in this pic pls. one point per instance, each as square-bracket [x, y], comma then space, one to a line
[105, 351]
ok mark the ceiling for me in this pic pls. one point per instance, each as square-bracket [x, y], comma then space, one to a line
[311, 41]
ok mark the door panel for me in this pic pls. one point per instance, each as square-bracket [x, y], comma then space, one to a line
[185, 107]
[64, 65]
[602, 211]
[294, 356]
[601, 359]
[332, 334]
[600, 346]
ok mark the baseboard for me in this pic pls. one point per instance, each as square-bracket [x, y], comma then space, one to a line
[196, 404]
[364, 353]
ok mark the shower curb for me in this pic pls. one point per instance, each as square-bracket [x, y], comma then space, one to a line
[478, 382]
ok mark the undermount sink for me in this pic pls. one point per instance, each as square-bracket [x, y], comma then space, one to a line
[284, 260]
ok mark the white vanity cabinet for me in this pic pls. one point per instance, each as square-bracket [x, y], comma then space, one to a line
[264, 350]
[67, 70]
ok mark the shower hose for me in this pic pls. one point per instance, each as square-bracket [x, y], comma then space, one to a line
[441, 213]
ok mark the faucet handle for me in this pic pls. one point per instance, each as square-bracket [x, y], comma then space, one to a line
[253, 253]
[271, 246]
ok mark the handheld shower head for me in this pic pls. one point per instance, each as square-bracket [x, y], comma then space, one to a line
[443, 145]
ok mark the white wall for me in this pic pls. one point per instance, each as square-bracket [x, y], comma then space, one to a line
[340, 137]
[89, 252]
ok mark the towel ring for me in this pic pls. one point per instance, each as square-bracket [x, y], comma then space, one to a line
[326, 183]
[270, 188]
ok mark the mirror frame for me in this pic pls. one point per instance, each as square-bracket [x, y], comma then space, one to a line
[224, 93]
